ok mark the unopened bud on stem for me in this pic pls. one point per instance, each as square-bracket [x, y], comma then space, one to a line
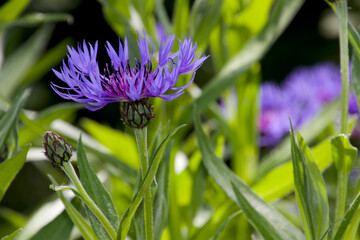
[137, 114]
[57, 150]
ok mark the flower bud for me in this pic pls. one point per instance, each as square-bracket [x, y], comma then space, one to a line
[137, 114]
[57, 150]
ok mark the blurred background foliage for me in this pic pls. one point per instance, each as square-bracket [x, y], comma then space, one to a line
[33, 39]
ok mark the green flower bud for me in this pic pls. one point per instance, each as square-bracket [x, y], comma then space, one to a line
[57, 150]
[137, 114]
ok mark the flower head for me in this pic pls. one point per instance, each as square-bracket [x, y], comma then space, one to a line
[119, 82]
[304, 93]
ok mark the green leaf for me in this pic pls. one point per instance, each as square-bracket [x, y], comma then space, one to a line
[10, 168]
[11, 116]
[11, 236]
[19, 63]
[86, 231]
[343, 153]
[218, 233]
[122, 145]
[282, 13]
[161, 203]
[37, 127]
[270, 223]
[310, 189]
[48, 60]
[355, 77]
[354, 38]
[203, 22]
[181, 12]
[351, 219]
[34, 19]
[58, 229]
[145, 183]
[12, 9]
[98, 194]
[280, 181]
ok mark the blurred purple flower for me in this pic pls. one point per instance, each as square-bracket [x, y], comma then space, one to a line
[304, 92]
[274, 114]
[120, 82]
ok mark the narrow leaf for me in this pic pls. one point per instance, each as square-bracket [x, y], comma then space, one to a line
[12, 115]
[86, 231]
[97, 192]
[19, 63]
[12, 236]
[310, 189]
[10, 168]
[355, 77]
[274, 226]
[139, 195]
[161, 203]
[12, 9]
[349, 219]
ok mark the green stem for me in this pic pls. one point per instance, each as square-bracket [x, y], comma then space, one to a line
[342, 15]
[141, 140]
[341, 10]
[69, 170]
[341, 193]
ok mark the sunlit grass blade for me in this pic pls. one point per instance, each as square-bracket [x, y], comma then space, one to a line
[274, 226]
[310, 189]
[86, 231]
[98, 194]
[10, 168]
[58, 229]
[145, 183]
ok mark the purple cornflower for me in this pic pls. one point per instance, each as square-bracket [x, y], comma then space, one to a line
[121, 83]
[304, 93]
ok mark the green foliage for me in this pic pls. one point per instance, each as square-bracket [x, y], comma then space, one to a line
[270, 223]
[97, 192]
[86, 231]
[343, 153]
[58, 229]
[145, 183]
[310, 189]
[11, 236]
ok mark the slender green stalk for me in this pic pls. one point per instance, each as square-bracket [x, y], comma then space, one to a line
[342, 15]
[141, 140]
[341, 10]
[69, 170]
